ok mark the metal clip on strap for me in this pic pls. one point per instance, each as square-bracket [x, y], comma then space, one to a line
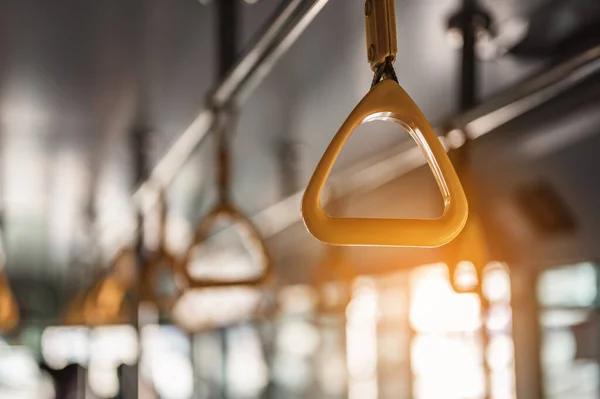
[380, 18]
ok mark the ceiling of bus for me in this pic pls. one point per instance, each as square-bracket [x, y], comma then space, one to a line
[77, 77]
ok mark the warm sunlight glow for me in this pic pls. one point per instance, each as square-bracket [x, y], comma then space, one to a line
[435, 307]
[496, 283]
[447, 351]
[361, 341]
[446, 367]
[465, 276]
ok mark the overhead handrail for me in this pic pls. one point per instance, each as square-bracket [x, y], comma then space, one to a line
[387, 101]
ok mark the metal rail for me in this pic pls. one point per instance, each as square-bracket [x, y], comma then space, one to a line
[527, 95]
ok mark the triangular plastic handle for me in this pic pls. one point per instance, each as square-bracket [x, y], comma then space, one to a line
[388, 101]
[240, 222]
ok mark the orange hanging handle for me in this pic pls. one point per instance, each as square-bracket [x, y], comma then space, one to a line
[225, 210]
[388, 101]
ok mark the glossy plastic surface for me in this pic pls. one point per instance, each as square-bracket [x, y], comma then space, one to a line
[225, 210]
[388, 101]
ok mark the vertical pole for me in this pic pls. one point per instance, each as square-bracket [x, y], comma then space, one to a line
[468, 63]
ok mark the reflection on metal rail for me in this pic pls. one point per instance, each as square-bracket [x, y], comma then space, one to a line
[476, 122]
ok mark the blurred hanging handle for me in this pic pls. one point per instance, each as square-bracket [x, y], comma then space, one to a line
[227, 211]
